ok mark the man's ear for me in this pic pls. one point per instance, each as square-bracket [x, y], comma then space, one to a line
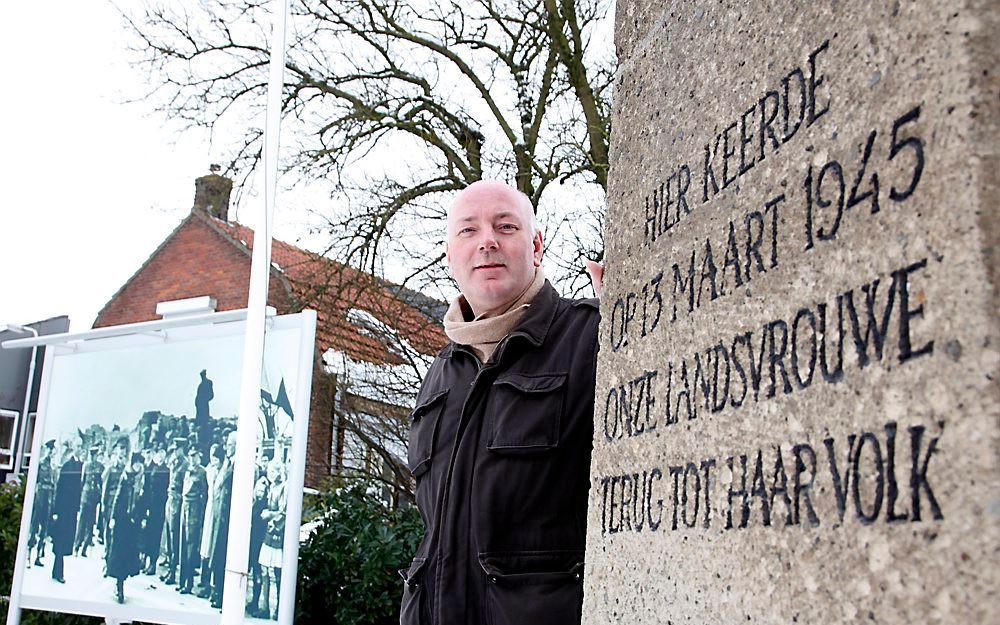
[447, 255]
[536, 243]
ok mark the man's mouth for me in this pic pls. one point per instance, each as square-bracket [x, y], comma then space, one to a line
[489, 266]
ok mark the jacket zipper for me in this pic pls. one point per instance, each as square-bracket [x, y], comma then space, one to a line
[446, 487]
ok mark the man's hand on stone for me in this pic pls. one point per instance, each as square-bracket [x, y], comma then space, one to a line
[596, 271]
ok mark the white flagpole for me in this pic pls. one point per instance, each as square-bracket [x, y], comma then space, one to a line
[234, 594]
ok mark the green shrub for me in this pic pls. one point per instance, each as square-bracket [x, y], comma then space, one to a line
[11, 496]
[348, 566]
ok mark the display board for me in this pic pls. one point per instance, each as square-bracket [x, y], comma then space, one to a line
[127, 507]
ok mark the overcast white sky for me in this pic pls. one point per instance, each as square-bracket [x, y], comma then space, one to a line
[89, 186]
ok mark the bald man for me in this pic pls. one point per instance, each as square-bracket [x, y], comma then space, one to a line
[500, 438]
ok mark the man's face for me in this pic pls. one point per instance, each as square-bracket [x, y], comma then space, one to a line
[492, 248]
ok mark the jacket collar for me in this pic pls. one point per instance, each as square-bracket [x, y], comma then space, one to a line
[535, 324]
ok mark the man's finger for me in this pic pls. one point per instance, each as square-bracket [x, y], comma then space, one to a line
[596, 271]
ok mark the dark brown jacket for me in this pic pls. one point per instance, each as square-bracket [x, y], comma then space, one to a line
[501, 455]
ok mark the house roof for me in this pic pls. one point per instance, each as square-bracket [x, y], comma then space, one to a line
[205, 255]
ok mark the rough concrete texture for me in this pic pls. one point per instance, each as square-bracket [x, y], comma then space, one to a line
[797, 407]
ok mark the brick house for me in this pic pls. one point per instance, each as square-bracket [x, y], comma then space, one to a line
[359, 317]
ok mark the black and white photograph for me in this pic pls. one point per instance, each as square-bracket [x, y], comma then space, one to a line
[130, 513]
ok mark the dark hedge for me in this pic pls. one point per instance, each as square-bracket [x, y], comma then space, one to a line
[348, 566]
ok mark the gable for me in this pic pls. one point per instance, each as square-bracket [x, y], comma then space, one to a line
[194, 260]
[207, 256]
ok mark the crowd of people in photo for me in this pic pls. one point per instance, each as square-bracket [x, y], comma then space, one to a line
[156, 501]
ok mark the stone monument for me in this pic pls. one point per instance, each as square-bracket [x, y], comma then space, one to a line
[798, 413]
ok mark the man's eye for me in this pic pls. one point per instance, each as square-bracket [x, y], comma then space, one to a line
[466, 230]
[508, 227]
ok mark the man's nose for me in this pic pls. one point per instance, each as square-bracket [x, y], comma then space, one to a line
[488, 242]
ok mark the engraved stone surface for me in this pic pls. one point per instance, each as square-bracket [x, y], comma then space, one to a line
[797, 405]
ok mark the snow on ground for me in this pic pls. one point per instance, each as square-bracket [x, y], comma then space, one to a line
[85, 581]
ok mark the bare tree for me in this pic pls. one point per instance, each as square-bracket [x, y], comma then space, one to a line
[376, 340]
[399, 104]
[374, 394]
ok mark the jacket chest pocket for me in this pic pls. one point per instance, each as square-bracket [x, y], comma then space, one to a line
[524, 412]
[423, 425]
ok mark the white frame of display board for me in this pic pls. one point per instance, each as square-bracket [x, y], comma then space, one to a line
[203, 328]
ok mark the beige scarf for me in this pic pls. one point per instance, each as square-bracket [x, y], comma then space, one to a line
[490, 327]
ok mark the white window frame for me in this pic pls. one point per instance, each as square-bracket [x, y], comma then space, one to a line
[9, 447]
[28, 439]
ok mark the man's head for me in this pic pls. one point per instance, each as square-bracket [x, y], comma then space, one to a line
[136, 463]
[493, 245]
[215, 454]
[120, 450]
[231, 445]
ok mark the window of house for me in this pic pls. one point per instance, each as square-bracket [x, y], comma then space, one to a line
[8, 431]
[29, 438]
